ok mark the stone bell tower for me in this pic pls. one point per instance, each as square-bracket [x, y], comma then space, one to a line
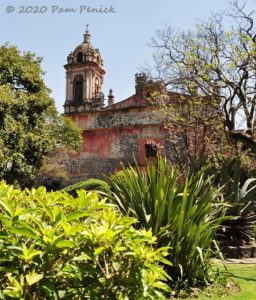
[84, 78]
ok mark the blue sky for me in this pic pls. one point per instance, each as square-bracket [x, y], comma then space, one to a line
[121, 37]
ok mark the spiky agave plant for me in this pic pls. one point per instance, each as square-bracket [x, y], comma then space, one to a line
[242, 200]
[183, 213]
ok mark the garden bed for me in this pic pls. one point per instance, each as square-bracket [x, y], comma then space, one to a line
[242, 283]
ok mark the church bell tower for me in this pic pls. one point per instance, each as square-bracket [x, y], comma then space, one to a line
[84, 78]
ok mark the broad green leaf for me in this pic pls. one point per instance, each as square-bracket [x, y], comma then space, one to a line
[26, 231]
[8, 207]
[77, 215]
[33, 278]
[65, 244]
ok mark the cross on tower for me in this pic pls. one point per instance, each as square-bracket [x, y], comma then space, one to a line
[87, 27]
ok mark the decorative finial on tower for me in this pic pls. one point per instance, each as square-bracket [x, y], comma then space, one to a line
[87, 28]
[87, 35]
[111, 98]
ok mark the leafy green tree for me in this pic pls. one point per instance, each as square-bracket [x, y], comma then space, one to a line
[30, 126]
[217, 62]
[66, 134]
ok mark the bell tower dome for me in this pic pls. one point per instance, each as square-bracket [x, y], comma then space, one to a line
[84, 78]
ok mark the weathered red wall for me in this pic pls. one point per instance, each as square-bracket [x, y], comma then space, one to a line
[99, 142]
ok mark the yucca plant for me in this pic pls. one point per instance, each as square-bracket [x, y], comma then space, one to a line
[183, 213]
[242, 199]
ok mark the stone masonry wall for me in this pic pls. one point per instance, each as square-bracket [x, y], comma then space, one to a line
[116, 118]
[111, 137]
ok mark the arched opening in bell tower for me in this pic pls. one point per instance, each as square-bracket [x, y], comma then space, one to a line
[79, 57]
[78, 89]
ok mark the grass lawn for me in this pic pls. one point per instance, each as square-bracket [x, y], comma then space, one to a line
[245, 276]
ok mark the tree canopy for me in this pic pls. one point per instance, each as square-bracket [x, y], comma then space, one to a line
[30, 126]
[216, 61]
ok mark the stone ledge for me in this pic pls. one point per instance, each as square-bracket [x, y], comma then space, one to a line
[240, 252]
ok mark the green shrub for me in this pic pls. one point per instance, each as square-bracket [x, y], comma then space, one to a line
[52, 175]
[88, 185]
[53, 246]
[183, 213]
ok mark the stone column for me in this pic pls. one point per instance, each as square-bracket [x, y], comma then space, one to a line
[90, 84]
[87, 85]
[69, 87]
[67, 81]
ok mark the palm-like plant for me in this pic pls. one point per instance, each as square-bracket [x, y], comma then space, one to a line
[183, 213]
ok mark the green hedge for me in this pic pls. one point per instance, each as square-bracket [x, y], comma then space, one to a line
[53, 246]
[88, 185]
